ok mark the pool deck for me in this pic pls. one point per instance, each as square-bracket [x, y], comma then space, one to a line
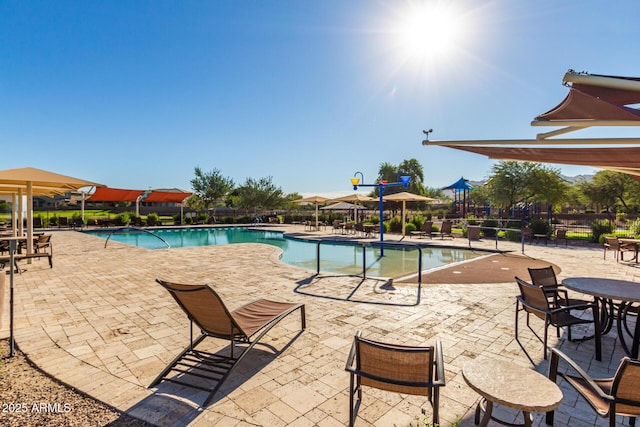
[98, 321]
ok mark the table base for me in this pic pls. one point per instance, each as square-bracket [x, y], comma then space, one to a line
[486, 406]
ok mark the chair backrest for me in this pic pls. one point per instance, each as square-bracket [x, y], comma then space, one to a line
[544, 277]
[204, 307]
[611, 242]
[534, 296]
[561, 233]
[625, 387]
[426, 227]
[446, 227]
[396, 368]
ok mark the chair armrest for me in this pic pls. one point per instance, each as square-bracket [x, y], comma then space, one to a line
[568, 308]
[439, 380]
[352, 353]
[556, 355]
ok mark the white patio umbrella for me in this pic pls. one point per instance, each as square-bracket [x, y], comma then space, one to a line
[405, 197]
[315, 200]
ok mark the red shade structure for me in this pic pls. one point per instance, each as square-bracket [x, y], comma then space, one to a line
[593, 100]
[106, 194]
[157, 196]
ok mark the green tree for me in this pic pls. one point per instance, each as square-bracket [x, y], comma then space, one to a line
[513, 181]
[211, 186]
[611, 189]
[259, 194]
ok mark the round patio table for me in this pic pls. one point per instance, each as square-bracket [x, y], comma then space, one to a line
[610, 295]
[512, 386]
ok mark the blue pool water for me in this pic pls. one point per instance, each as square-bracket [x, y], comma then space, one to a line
[344, 258]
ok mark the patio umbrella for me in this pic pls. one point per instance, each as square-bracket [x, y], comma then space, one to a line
[315, 200]
[405, 197]
[355, 198]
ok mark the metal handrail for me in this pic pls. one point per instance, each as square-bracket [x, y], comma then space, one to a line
[498, 229]
[136, 229]
[364, 254]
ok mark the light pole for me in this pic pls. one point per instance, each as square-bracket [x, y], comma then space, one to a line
[381, 184]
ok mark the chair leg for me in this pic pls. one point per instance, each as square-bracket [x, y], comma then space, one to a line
[435, 406]
[632, 421]
[546, 330]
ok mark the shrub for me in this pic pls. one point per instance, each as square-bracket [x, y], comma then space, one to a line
[600, 227]
[395, 224]
[153, 219]
[634, 228]
[122, 219]
[540, 226]
[409, 227]
[489, 222]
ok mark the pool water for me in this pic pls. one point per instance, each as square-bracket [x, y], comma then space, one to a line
[342, 257]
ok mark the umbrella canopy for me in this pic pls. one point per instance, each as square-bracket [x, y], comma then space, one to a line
[342, 206]
[405, 197]
[25, 179]
[315, 200]
[355, 198]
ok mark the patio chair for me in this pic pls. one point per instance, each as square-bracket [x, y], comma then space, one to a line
[396, 368]
[534, 300]
[445, 230]
[546, 277]
[560, 234]
[247, 324]
[608, 397]
[63, 222]
[425, 230]
[613, 244]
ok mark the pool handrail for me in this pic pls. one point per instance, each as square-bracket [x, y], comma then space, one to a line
[136, 229]
[364, 254]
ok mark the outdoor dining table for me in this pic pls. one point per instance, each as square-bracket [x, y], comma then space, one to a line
[631, 241]
[612, 295]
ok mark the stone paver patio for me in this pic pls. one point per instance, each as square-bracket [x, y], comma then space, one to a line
[98, 322]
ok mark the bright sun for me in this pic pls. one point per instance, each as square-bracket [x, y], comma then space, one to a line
[428, 32]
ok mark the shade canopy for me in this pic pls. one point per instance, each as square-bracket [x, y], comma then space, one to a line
[38, 177]
[161, 196]
[460, 185]
[312, 199]
[355, 198]
[344, 206]
[405, 197]
[593, 100]
[106, 194]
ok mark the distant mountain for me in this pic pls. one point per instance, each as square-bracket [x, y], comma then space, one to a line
[572, 179]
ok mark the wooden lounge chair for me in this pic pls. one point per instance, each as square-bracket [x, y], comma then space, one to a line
[445, 230]
[608, 397]
[63, 222]
[534, 300]
[396, 368]
[425, 230]
[247, 324]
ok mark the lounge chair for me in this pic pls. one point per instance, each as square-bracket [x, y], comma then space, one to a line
[63, 222]
[425, 230]
[445, 230]
[396, 368]
[608, 397]
[560, 234]
[247, 324]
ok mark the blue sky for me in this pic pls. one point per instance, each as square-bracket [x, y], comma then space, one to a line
[135, 94]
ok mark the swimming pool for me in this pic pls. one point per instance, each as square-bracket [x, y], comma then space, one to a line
[337, 257]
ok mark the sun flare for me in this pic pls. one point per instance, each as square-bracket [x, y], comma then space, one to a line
[429, 32]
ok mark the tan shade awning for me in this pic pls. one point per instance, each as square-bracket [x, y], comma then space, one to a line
[39, 177]
[622, 159]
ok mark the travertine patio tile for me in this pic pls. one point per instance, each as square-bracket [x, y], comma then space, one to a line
[101, 306]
